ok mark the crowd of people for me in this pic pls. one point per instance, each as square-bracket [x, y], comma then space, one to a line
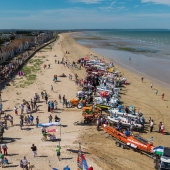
[161, 126]
[6, 71]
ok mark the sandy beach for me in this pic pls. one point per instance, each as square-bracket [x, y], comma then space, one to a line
[100, 150]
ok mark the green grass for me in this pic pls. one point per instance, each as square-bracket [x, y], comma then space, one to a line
[31, 77]
[29, 71]
[41, 56]
[43, 50]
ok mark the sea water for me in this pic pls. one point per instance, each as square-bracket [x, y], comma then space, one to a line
[149, 50]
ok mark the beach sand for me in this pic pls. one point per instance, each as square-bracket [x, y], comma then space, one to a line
[100, 149]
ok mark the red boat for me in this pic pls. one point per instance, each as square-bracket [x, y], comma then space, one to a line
[136, 142]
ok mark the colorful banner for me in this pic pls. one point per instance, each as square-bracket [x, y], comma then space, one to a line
[52, 130]
[81, 161]
[84, 163]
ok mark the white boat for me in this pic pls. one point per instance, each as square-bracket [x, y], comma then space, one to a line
[103, 100]
[125, 122]
[115, 111]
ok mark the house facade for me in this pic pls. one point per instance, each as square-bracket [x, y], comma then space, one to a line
[21, 44]
[6, 53]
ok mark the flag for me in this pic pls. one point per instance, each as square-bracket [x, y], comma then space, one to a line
[81, 161]
[158, 150]
[84, 163]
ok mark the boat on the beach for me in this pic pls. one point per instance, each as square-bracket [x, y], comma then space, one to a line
[126, 122]
[115, 111]
[136, 142]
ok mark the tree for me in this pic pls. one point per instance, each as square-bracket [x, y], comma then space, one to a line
[12, 37]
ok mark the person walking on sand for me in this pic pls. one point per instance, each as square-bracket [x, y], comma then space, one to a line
[21, 123]
[51, 106]
[50, 119]
[31, 119]
[22, 108]
[32, 105]
[159, 127]
[37, 121]
[90, 168]
[16, 110]
[52, 88]
[34, 150]
[162, 129]
[163, 95]
[64, 98]
[66, 167]
[59, 97]
[1, 159]
[149, 120]
[10, 118]
[4, 148]
[142, 79]
[46, 99]
[58, 152]
[151, 85]
[151, 126]
[156, 92]
[0, 97]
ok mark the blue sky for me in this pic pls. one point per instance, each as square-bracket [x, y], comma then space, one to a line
[84, 14]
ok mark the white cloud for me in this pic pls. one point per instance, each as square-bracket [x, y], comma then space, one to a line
[80, 18]
[88, 1]
[113, 3]
[136, 6]
[163, 2]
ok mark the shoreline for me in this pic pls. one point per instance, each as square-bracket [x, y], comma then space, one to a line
[149, 65]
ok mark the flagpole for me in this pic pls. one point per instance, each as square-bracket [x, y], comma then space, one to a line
[79, 159]
[60, 135]
[79, 145]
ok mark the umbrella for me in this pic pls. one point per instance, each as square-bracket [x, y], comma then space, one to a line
[85, 58]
